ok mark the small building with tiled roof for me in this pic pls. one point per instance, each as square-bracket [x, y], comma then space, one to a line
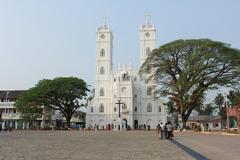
[205, 122]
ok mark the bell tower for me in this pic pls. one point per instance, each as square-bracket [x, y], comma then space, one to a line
[147, 39]
[104, 49]
[103, 52]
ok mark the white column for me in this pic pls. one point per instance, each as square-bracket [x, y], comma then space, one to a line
[27, 126]
[23, 125]
[42, 123]
[16, 125]
[3, 125]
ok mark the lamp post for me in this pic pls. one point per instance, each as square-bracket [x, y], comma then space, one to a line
[7, 93]
[226, 107]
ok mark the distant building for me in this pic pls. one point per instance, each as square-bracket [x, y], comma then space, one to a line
[205, 122]
[233, 118]
[10, 118]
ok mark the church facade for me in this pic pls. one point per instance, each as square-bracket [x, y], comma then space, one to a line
[121, 93]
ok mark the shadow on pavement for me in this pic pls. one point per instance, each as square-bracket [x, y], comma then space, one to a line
[191, 152]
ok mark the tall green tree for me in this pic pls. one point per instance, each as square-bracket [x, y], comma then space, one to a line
[29, 110]
[219, 100]
[185, 69]
[65, 94]
[170, 107]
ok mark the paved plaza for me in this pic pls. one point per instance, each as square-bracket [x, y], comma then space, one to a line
[112, 145]
[212, 145]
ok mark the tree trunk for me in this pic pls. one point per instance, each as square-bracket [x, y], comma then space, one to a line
[184, 121]
[68, 119]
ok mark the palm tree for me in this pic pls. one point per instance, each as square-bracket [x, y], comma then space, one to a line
[219, 100]
[206, 109]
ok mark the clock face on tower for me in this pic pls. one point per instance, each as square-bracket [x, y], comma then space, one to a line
[147, 34]
[102, 36]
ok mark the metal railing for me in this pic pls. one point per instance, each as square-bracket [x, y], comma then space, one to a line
[7, 104]
[10, 115]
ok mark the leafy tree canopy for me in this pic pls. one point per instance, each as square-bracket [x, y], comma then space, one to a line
[64, 94]
[170, 107]
[234, 97]
[185, 69]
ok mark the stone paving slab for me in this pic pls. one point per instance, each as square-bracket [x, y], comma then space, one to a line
[213, 145]
[87, 145]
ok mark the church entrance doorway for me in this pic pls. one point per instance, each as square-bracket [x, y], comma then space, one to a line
[101, 124]
[149, 121]
[135, 124]
[125, 123]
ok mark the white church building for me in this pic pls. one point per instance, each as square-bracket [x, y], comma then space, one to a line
[122, 99]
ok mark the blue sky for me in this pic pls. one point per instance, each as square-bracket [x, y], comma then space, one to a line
[52, 38]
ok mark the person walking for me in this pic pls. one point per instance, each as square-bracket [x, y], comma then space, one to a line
[172, 132]
[165, 131]
[158, 129]
[162, 130]
[169, 130]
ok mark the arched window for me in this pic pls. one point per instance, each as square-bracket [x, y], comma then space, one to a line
[101, 92]
[149, 107]
[135, 109]
[159, 109]
[124, 106]
[124, 89]
[149, 91]
[102, 70]
[148, 51]
[102, 53]
[91, 109]
[101, 108]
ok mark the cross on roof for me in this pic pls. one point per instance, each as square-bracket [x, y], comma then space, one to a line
[147, 18]
[105, 20]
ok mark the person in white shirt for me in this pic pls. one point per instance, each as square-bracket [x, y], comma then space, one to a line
[162, 129]
[169, 130]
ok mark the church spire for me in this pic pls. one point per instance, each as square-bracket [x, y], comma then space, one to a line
[105, 21]
[147, 18]
[147, 39]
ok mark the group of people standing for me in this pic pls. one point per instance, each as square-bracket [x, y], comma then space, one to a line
[165, 130]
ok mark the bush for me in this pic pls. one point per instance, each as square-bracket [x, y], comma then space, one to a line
[34, 127]
[47, 128]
